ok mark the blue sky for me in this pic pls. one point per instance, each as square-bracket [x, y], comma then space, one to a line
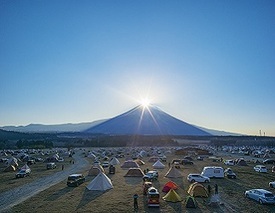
[209, 63]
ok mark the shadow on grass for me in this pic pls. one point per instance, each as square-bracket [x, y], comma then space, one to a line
[59, 193]
[89, 196]
[176, 206]
[133, 180]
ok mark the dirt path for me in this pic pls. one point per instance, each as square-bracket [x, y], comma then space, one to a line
[15, 196]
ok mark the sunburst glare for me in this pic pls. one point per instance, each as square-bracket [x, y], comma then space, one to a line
[145, 102]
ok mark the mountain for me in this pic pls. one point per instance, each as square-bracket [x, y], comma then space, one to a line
[219, 132]
[146, 121]
[53, 128]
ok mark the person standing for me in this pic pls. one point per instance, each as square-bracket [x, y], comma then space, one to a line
[216, 189]
[135, 201]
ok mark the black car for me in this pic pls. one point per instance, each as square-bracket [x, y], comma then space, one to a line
[230, 174]
[269, 161]
[75, 180]
[186, 162]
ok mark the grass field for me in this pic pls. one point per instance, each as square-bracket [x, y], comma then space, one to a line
[61, 198]
[38, 170]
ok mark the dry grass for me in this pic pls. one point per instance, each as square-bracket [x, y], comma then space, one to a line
[38, 170]
[61, 198]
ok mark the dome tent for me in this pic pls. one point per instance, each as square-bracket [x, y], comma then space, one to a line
[197, 190]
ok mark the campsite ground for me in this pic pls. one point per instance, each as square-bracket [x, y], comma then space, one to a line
[60, 198]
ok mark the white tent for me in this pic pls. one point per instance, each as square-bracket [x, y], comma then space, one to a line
[158, 165]
[100, 183]
[25, 167]
[114, 161]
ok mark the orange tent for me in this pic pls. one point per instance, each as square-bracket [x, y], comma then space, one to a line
[169, 185]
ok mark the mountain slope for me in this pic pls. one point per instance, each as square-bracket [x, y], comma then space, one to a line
[53, 128]
[146, 121]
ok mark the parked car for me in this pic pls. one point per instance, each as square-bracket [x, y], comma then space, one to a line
[151, 175]
[105, 164]
[261, 195]
[30, 162]
[269, 161]
[198, 178]
[230, 174]
[186, 162]
[153, 197]
[75, 180]
[51, 166]
[23, 173]
[146, 186]
[200, 158]
[260, 168]
[229, 162]
[272, 184]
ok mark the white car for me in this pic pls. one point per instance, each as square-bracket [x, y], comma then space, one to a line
[229, 162]
[272, 184]
[261, 195]
[260, 168]
[198, 178]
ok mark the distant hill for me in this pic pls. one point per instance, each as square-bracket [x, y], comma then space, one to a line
[146, 121]
[218, 132]
[79, 127]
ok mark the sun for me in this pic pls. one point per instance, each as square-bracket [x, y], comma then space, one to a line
[145, 102]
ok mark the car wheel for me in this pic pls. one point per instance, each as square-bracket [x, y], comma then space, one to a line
[192, 181]
[206, 181]
[260, 201]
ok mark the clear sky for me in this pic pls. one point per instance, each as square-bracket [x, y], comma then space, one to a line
[208, 63]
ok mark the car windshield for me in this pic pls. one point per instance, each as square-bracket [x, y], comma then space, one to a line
[153, 195]
[72, 178]
[268, 195]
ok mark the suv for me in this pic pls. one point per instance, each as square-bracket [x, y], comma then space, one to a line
[150, 176]
[23, 173]
[51, 165]
[75, 179]
[198, 178]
